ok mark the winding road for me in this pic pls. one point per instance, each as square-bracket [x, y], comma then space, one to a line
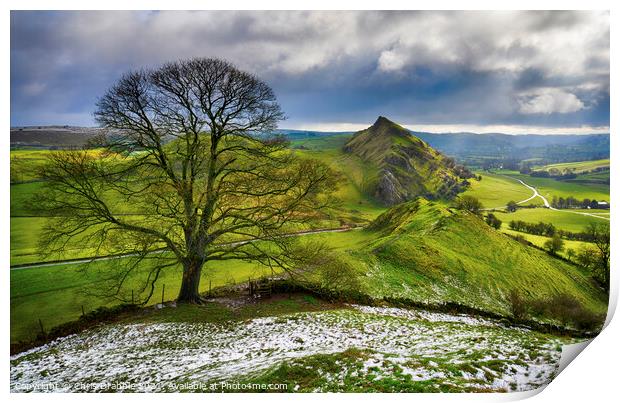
[546, 202]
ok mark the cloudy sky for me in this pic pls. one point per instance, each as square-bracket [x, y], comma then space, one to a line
[538, 72]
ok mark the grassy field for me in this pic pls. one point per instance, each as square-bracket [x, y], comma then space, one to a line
[540, 241]
[355, 207]
[24, 164]
[55, 294]
[495, 191]
[566, 220]
[21, 194]
[577, 167]
[592, 177]
[600, 213]
[357, 177]
[550, 187]
[322, 142]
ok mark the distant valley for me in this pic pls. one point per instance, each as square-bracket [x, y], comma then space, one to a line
[490, 150]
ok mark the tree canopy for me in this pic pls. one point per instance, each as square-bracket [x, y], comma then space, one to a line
[188, 173]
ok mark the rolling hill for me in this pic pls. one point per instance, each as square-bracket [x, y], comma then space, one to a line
[426, 252]
[44, 137]
[405, 166]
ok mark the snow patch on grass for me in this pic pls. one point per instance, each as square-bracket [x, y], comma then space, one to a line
[417, 343]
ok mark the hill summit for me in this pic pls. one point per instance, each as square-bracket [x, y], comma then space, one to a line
[406, 166]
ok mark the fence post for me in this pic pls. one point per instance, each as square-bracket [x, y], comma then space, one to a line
[41, 325]
[83, 314]
[163, 289]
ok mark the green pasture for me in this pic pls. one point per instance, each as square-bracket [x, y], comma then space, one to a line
[577, 167]
[561, 219]
[55, 294]
[333, 142]
[550, 187]
[539, 241]
[495, 191]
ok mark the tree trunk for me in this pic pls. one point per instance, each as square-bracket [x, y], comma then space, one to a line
[191, 282]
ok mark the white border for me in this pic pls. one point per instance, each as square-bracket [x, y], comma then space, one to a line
[593, 376]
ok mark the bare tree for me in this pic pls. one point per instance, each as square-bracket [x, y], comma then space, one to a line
[188, 175]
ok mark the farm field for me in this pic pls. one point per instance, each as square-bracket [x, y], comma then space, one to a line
[592, 178]
[332, 142]
[562, 219]
[577, 167]
[495, 191]
[355, 208]
[24, 164]
[600, 213]
[55, 294]
[550, 187]
[539, 241]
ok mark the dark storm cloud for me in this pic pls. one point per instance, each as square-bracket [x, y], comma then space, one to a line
[502, 68]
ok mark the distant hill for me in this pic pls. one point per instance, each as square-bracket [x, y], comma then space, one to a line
[406, 166]
[476, 149]
[293, 135]
[52, 136]
[472, 149]
[488, 149]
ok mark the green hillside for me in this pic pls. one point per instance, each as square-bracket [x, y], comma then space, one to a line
[426, 252]
[406, 166]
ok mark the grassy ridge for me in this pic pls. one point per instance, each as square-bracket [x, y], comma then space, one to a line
[428, 253]
[358, 179]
